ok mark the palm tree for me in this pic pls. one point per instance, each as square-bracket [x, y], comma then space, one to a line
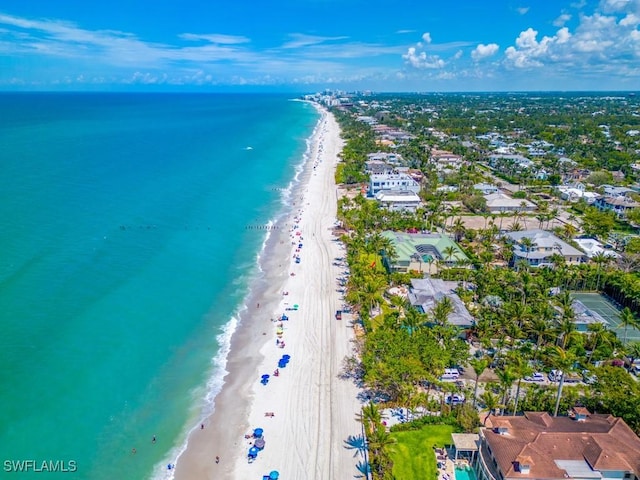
[562, 360]
[600, 259]
[506, 376]
[450, 252]
[521, 369]
[490, 402]
[479, 365]
[441, 310]
[628, 319]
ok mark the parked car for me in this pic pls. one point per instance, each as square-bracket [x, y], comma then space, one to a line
[450, 374]
[455, 399]
[588, 377]
[554, 375]
[536, 377]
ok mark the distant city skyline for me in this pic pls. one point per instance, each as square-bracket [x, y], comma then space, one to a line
[307, 45]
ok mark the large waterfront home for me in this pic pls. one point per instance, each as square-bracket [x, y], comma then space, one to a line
[426, 292]
[582, 446]
[536, 247]
[392, 181]
[399, 200]
[422, 252]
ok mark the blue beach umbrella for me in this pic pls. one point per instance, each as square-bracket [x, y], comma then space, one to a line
[253, 451]
[266, 375]
[258, 432]
[286, 357]
[274, 475]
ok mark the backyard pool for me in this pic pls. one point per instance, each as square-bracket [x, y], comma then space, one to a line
[465, 473]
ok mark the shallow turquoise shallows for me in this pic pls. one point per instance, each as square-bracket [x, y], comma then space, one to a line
[124, 254]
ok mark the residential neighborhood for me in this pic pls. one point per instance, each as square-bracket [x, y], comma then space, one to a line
[494, 245]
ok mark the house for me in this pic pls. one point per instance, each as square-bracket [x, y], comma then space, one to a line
[576, 192]
[444, 160]
[592, 247]
[399, 200]
[519, 162]
[486, 188]
[500, 202]
[422, 252]
[378, 167]
[619, 205]
[392, 181]
[581, 446]
[613, 191]
[425, 292]
[389, 158]
[535, 247]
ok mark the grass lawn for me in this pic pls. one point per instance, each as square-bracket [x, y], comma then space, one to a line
[412, 454]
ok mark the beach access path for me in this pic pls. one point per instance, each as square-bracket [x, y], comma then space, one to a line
[314, 409]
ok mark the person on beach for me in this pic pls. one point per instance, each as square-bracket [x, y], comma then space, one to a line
[153, 440]
[133, 451]
[202, 426]
[217, 459]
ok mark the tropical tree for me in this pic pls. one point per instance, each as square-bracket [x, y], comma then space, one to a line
[490, 402]
[600, 259]
[628, 319]
[520, 368]
[562, 360]
[479, 365]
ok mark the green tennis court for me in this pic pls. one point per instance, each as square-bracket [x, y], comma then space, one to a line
[606, 309]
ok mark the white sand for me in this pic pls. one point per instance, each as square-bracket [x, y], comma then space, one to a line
[314, 410]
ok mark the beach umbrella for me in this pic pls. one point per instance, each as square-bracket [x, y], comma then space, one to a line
[259, 443]
[274, 475]
[265, 376]
[286, 357]
[253, 451]
[258, 432]
[295, 306]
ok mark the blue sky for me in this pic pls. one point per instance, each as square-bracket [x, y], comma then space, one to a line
[305, 45]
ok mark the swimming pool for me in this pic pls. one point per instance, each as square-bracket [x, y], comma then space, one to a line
[465, 473]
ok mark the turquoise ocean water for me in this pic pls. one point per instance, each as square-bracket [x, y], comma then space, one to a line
[124, 256]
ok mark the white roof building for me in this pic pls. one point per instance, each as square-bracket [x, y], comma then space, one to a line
[543, 246]
[592, 247]
[486, 188]
[392, 181]
[499, 202]
[573, 193]
[399, 200]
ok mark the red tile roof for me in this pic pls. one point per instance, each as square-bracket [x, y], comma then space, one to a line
[537, 439]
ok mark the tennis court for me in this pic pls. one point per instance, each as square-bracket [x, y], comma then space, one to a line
[606, 309]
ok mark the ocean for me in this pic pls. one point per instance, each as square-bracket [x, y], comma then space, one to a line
[131, 226]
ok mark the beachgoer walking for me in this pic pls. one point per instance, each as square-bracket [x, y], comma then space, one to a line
[153, 440]
[217, 459]
[202, 426]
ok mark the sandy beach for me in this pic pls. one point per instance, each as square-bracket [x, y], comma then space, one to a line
[306, 411]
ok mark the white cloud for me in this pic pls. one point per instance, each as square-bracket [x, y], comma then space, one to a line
[215, 38]
[299, 40]
[561, 20]
[421, 60]
[426, 37]
[522, 10]
[484, 51]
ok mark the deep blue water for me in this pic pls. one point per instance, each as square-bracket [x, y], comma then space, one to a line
[124, 251]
